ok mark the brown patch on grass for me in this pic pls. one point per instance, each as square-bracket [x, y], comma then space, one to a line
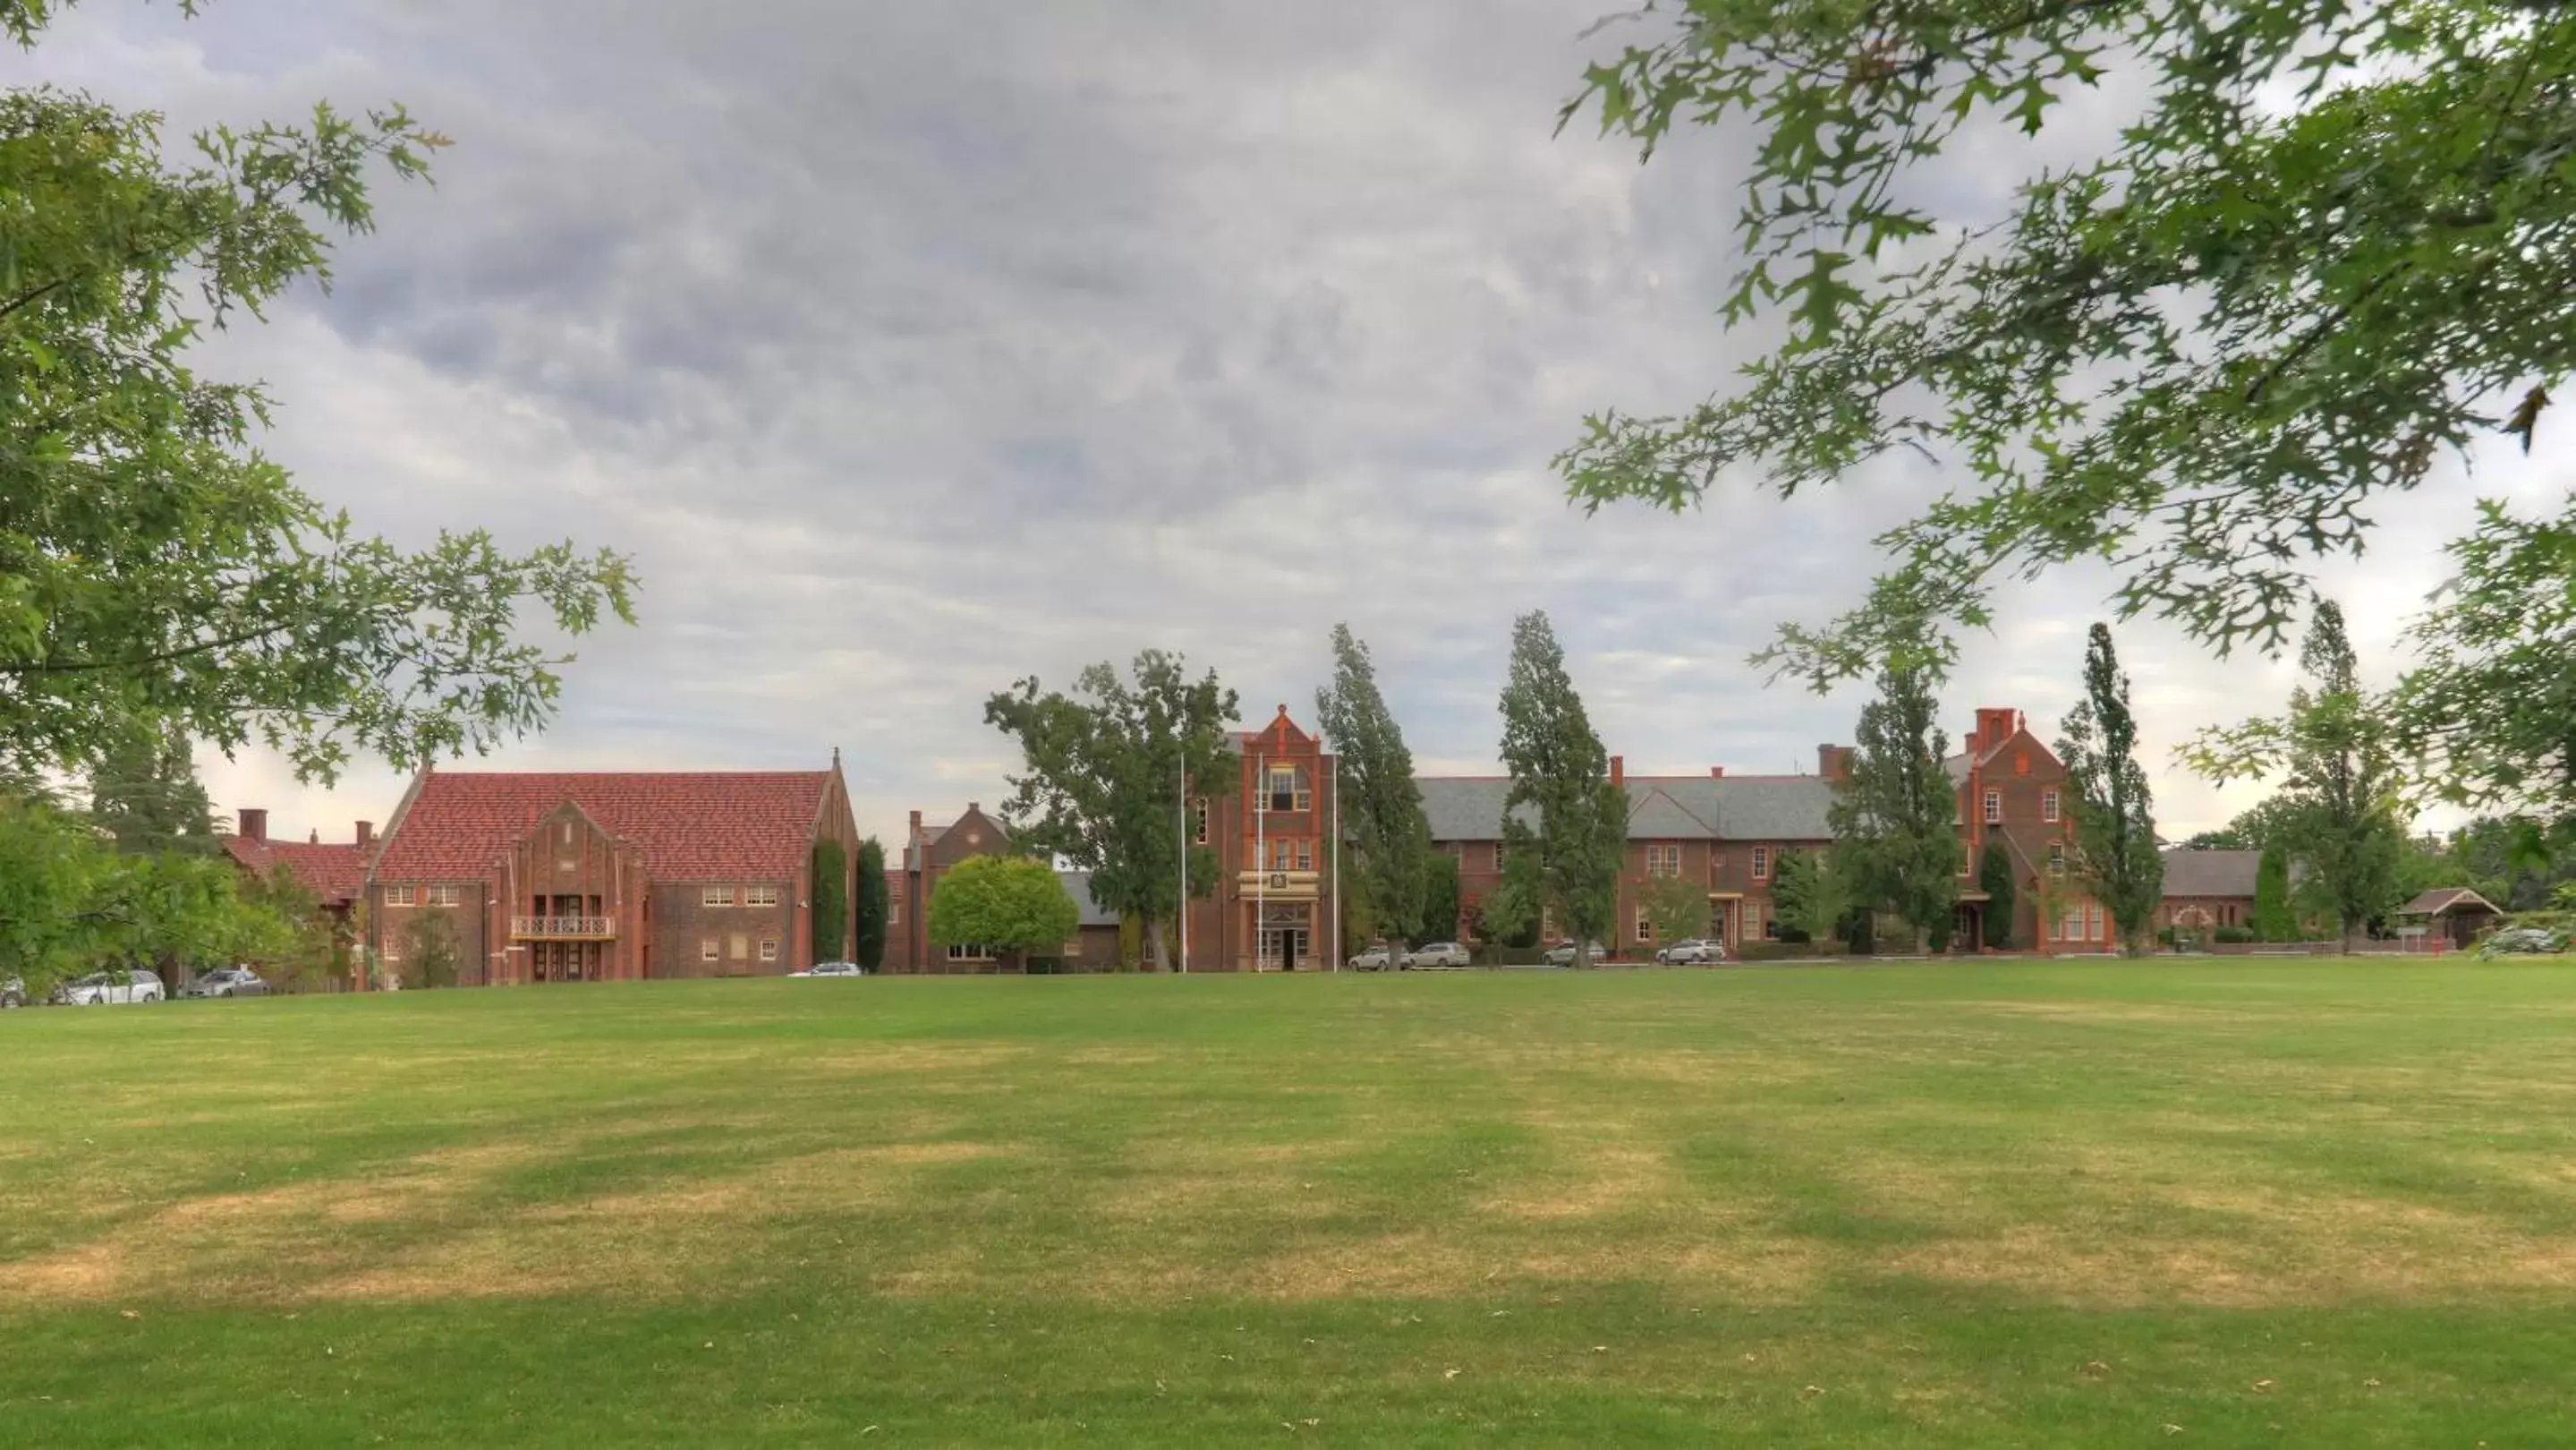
[926, 1058]
[2165, 1012]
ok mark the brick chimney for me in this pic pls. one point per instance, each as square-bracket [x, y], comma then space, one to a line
[313, 836]
[366, 834]
[1717, 772]
[1833, 762]
[254, 824]
[1618, 772]
[1995, 725]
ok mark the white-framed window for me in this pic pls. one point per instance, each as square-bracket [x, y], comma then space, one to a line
[2057, 858]
[894, 911]
[1645, 926]
[970, 952]
[1547, 923]
[2048, 806]
[706, 949]
[1199, 820]
[398, 896]
[1994, 808]
[1761, 863]
[2071, 928]
[760, 896]
[1305, 855]
[716, 896]
[1287, 789]
[768, 949]
[1664, 859]
[2093, 922]
[441, 896]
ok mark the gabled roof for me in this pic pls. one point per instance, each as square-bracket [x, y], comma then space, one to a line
[2211, 873]
[702, 826]
[334, 873]
[1077, 884]
[2446, 898]
[1660, 808]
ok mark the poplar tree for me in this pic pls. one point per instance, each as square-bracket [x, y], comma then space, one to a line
[871, 901]
[2116, 858]
[2343, 784]
[1895, 817]
[1995, 876]
[1389, 837]
[2274, 918]
[1558, 766]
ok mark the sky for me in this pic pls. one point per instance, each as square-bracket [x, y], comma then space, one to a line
[913, 349]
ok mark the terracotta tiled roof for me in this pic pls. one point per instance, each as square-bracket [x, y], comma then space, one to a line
[334, 873]
[714, 826]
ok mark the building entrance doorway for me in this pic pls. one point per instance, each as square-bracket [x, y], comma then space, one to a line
[1281, 946]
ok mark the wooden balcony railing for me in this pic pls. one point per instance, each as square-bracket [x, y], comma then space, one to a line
[564, 928]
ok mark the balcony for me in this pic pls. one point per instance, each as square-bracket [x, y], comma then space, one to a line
[563, 928]
[1280, 885]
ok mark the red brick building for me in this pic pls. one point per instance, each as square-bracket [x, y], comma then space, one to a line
[610, 877]
[1730, 831]
[1273, 906]
[334, 872]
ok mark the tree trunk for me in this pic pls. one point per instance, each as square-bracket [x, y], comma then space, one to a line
[1154, 944]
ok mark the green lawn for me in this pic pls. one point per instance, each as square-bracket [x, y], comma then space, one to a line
[2277, 1203]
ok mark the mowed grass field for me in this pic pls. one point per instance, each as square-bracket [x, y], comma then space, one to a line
[2297, 1203]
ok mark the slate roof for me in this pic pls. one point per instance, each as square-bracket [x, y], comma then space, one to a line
[334, 873]
[705, 826]
[2442, 898]
[1660, 808]
[2211, 873]
[1077, 884]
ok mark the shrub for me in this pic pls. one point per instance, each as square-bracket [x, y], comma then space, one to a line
[2234, 935]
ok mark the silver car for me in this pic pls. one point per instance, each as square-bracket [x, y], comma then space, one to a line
[1692, 953]
[106, 989]
[226, 982]
[1438, 954]
[1376, 959]
[1563, 955]
[833, 969]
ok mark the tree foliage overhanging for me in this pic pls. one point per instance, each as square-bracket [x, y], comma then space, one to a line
[2333, 244]
[157, 574]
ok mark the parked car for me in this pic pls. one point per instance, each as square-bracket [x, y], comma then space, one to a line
[832, 969]
[226, 982]
[105, 989]
[1438, 954]
[13, 993]
[1563, 956]
[1692, 953]
[1377, 959]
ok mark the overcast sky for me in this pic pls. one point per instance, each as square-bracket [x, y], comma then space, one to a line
[914, 348]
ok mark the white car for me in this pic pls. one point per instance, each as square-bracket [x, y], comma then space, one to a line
[1692, 953]
[1438, 954]
[102, 989]
[1376, 959]
[832, 969]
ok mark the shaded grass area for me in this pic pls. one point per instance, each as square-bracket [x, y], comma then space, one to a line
[2286, 1203]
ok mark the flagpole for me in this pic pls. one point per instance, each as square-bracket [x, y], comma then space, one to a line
[1337, 860]
[1260, 856]
[1184, 911]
